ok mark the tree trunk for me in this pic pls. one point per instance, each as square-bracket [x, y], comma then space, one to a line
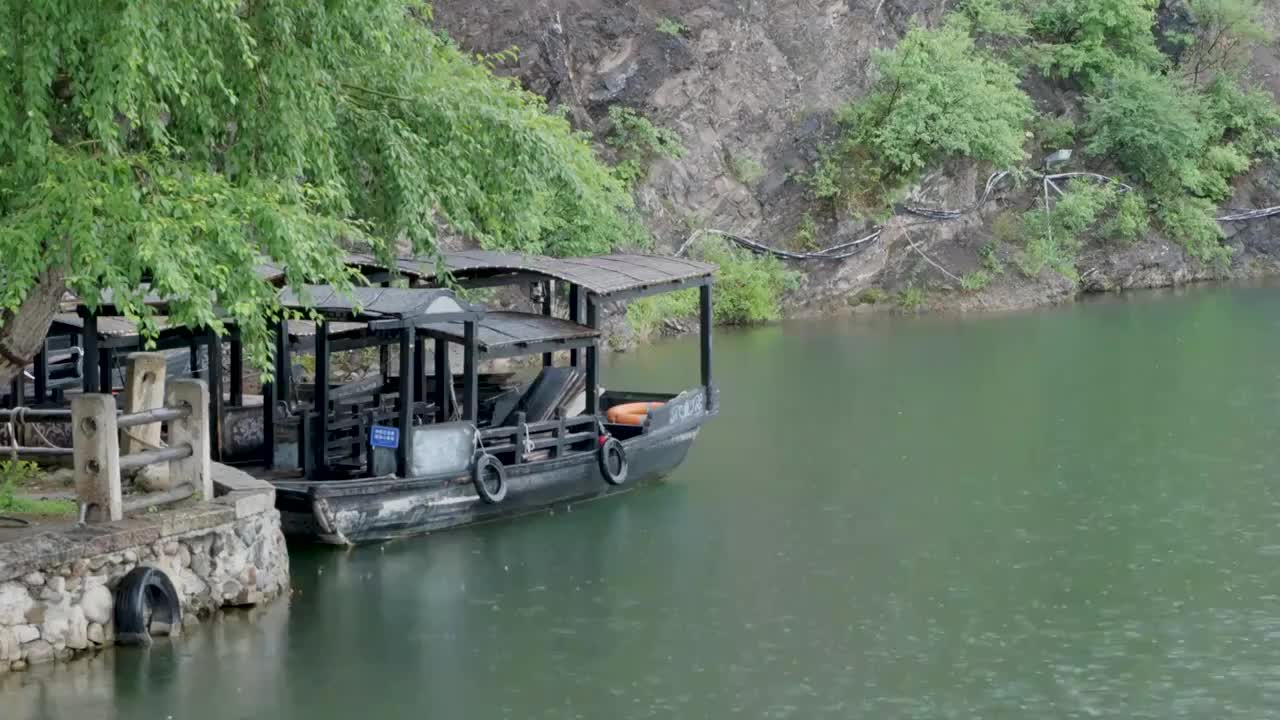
[22, 332]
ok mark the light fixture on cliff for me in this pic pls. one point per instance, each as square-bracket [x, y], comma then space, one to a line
[1056, 158]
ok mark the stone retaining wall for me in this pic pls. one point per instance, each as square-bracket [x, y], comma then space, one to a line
[57, 586]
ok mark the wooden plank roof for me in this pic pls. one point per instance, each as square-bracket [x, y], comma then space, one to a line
[510, 332]
[602, 275]
[396, 306]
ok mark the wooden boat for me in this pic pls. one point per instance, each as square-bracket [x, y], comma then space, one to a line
[416, 447]
[457, 462]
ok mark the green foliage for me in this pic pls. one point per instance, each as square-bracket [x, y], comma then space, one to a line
[186, 142]
[1144, 122]
[648, 316]
[871, 296]
[1130, 220]
[668, 26]
[1004, 18]
[1247, 119]
[1053, 239]
[1007, 228]
[1091, 40]
[747, 170]
[938, 96]
[14, 474]
[1190, 222]
[1225, 31]
[911, 298]
[1055, 132]
[638, 143]
[807, 233]
[991, 258]
[976, 280]
[748, 290]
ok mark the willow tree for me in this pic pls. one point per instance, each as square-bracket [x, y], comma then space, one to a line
[171, 146]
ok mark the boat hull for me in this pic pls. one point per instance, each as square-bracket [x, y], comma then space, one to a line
[376, 509]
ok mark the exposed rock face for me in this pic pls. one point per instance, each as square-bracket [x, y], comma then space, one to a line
[751, 87]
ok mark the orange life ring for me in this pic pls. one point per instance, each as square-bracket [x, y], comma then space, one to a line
[631, 413]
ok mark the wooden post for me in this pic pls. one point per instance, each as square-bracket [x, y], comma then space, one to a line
[284, 371]
[104, 370]
[419, 368]
[42, 373]
[96, 450]
[469, 379]
[444, 381]
[320, 444]
[548, 297]
[706, 318]
[193, 357]
[593, 360]
[144, 390]
[213, 346]
[268, 425]
[192, 430]
[575, 315]
[522, 437]
[237, 368]
[404, 452]
[89, 361]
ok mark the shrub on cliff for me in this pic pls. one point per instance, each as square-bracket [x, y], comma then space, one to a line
[748, 290]
[1092, 39]
[938, 96]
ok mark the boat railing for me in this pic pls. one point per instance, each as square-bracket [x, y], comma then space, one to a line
[523, 439]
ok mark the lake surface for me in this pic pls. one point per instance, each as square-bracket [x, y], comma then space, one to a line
[1072, 513]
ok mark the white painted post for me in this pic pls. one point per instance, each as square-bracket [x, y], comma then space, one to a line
[144, 390]
[193, 430]
[97, 456]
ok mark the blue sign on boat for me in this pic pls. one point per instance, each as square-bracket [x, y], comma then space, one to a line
[384, 437]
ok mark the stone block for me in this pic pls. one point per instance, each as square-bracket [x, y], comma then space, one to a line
[9, 650]
[15, 601]
[26, 633]
[98, 605]
[33, 579]
[38, 651]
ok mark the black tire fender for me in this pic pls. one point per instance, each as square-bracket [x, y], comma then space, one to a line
[145, 599]
[484, 472]
[613, 461]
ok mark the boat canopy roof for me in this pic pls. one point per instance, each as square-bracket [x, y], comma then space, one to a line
[509, 334]
[382, 308]
[615, 276]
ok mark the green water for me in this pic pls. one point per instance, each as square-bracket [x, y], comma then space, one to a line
[1062, 514]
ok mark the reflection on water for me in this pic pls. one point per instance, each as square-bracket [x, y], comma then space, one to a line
[1063, 514]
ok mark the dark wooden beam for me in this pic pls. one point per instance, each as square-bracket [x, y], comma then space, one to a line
[89, 362]
[237, 368]
[419, 367]
[321, 405]
[593, 359]
[404, 452]
[444, 381]
[284, 369]
[705, 320]
[104, 371]
[42, 374]
[548, 302]
[213, 344]
[470, 380]
[575, 315]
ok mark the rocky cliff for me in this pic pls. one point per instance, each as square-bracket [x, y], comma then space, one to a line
[751, 87]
